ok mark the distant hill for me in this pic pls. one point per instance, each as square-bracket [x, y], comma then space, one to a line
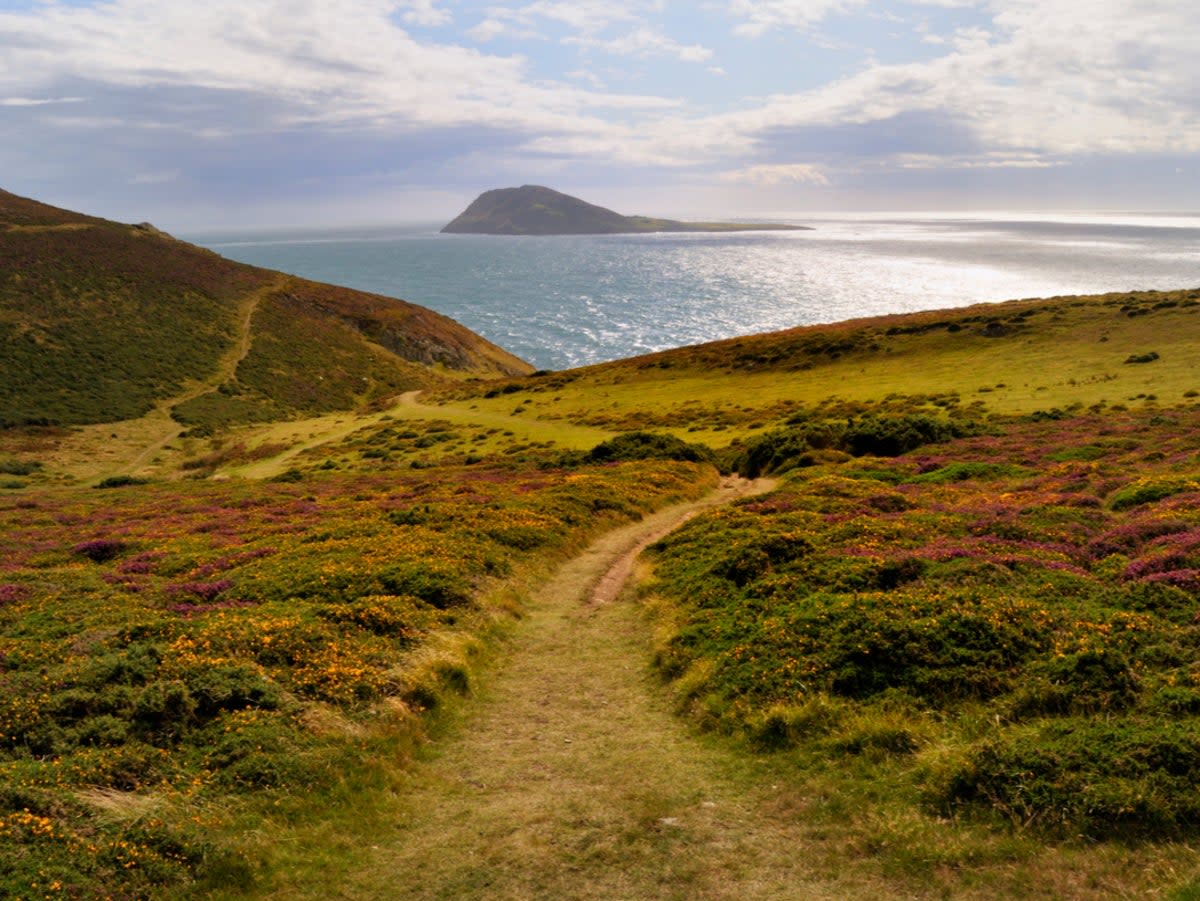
[101, 321]
[535, 210]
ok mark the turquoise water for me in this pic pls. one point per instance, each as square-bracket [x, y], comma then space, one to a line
[569, 301]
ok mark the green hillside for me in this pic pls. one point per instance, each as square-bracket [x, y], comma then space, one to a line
[1067, 353]
[351, 625]
[101, 321]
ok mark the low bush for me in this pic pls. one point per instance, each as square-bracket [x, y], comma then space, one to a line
[1149, 490]
[881, 435]
[100, 550]
[642, 446]
[121, 482]
[1097, 778]
[19, 467]
[978, 597]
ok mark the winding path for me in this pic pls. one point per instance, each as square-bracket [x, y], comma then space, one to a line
[569, 777]
[227, 366]
[129, 447]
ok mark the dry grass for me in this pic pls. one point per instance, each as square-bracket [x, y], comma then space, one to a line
[121, 805]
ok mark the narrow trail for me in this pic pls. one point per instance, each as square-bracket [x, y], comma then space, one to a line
[318, 431]
[227, 366]
[569, 776]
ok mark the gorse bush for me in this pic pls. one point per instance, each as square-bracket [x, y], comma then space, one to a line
[180, 642]
[1099, 778]
[639, 445]
[19, 467]
[648, 446]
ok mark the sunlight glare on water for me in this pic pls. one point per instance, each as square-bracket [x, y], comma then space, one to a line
[568, 301]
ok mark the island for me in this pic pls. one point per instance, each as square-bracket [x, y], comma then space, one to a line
[536, 210]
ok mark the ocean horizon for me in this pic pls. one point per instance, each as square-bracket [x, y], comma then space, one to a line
[566, 301]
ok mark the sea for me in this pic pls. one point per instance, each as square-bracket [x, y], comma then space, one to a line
[561, 302]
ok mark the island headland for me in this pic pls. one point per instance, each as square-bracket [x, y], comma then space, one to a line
[537, 210]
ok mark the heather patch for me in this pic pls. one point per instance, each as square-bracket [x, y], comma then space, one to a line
[173, 647]
[1009, 595]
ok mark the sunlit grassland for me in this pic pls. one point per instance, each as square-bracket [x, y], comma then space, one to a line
[411, 433]
[1006, 359]
[1015, 358]
[87, 454]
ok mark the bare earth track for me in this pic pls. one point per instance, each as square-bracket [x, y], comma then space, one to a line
[130, 447]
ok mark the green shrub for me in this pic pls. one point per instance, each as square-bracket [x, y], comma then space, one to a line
[1092, 681]
[164, 711]
[121, 482]
[438, 589]
[1147, 491]
[890, 436]
[231, 687]
[753, 555]
[1102, 779]
[648, 446]
[881, 435]
[783, 726]
[960, 472]
[19, 467]
[394, 617]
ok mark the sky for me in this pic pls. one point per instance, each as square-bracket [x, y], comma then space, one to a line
[249, 113]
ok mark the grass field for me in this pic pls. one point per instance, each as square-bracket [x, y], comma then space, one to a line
[1009, 358]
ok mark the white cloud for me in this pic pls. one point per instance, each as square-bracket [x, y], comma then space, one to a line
[490, 29]
[423, 12]
[645, 42]
[38, 101]
[949, 4]
[1091, 76]
[1031, 84]
[794, 173]
[586, 16]
[760, 16]
[590, 77]
[310, 62]
[995, 160]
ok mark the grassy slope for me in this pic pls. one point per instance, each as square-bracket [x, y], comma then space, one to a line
[1011, 358]
[1045, 354]
[100, 322]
